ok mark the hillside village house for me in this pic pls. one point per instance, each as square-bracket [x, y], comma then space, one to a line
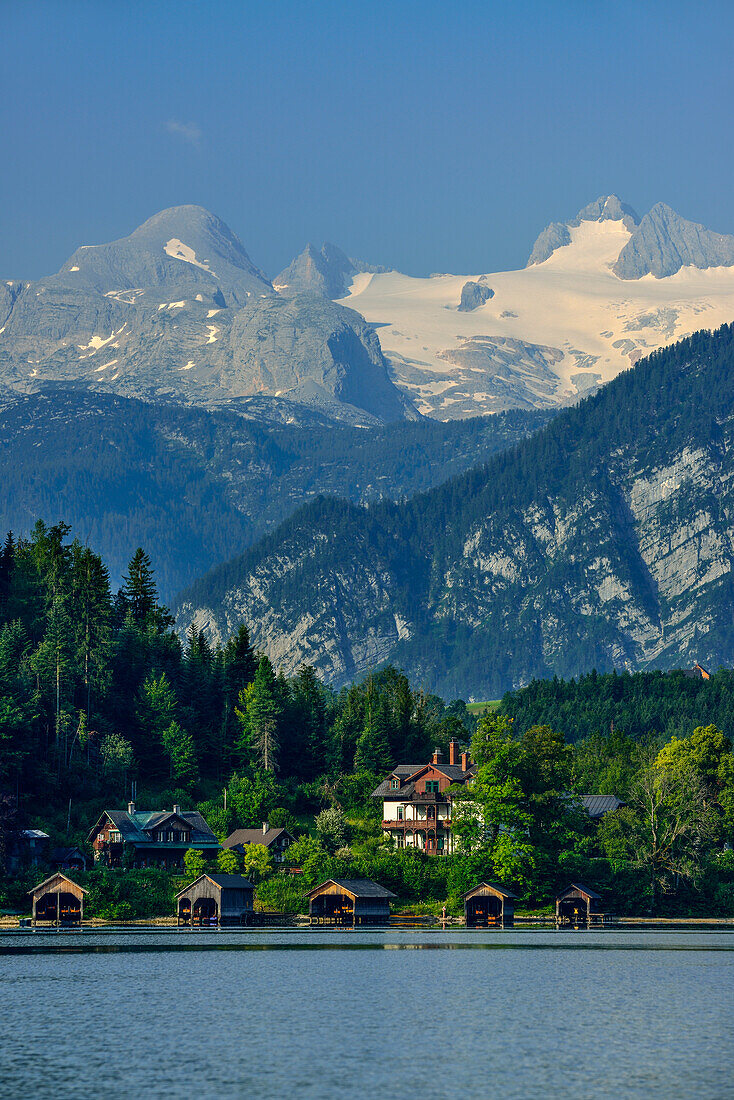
[154, 838]
[277, 841]
[27, 848]
[416, 806]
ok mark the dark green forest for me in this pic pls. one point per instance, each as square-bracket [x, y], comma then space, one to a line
[643, 704]
[98, 692]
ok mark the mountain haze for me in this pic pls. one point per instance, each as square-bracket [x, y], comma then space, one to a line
[177, 312]
[194, 487]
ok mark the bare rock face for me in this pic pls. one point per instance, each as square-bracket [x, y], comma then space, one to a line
[474, 295]
[326, 272]
[178, 312]
[603, 541]
[664, 242]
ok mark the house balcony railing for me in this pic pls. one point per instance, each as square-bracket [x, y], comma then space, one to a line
[418, 823]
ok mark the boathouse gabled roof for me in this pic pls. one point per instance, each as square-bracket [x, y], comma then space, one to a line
[224, 882]
[586, 890]
[357, 887]
[490, 886]
[58, 878]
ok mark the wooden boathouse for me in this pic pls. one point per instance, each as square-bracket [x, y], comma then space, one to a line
[488, 904]
[58, 900]
[578, 904]
[215, 900]
[349, 901]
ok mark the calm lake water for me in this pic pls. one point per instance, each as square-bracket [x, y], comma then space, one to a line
[429, 1014]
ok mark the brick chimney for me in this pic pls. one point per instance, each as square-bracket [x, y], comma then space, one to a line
[453, 752]
[465, 761]
[131, 808]
[265, 827]
[177, 809]
[437, 757]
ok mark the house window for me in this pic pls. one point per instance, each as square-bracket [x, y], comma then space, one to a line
[394, 784]
[400, 813]
[115, 836]
[431, 786]
[439, 844]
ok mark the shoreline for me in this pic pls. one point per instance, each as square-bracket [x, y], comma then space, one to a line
[300, 922]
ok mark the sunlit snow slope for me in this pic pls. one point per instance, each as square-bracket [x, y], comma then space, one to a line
[551, 331]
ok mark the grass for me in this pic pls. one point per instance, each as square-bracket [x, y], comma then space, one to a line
[479, 708]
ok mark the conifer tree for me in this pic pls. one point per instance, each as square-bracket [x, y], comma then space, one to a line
[92, 603]
[179, 747]
[7, 555]
[238, 665]
[258, 715]
[138, 595]
[373, 748]
[156, 711]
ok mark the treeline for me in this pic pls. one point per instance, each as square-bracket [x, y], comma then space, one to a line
[641, 704]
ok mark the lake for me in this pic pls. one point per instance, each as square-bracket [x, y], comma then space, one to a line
[148, 1013]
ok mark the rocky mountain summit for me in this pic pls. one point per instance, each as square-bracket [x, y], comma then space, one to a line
[327, 272]
[603, 540]
[663, 243]
[660, 243]
[178, 312]
[558, 234]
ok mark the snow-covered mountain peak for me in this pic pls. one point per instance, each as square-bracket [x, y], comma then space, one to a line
[607, 208]
[592, 246]
[178, 251]
[578, 313]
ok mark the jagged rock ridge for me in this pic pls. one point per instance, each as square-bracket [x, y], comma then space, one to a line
[558, 234]
[327, 272]
[664, 242]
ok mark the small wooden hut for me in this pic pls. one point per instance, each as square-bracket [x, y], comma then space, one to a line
[215, 900]
[577, 904]
[58, 900]
[487, 904]
[349, 901]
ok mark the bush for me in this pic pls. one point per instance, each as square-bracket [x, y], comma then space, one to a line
[128, 895]
[332, 829]
[283, 893]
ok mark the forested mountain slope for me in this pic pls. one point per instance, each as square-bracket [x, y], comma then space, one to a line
[195, 486]
[605, 540]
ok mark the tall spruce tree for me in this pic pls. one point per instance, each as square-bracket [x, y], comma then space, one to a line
[259, 714]
[138, 595]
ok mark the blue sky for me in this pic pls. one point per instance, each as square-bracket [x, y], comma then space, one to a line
[426, 136]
